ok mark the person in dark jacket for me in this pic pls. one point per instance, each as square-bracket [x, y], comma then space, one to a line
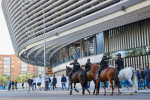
[15, 84]
[12, 85]
[103, 65]
[54, 82]
[138, 77]
[119, 62]
[88, 65]
[147, 76]
[76, 67]
[30, 83]
[142, 77]
[63, 81]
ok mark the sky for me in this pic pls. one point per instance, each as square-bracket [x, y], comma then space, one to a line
[6, 47]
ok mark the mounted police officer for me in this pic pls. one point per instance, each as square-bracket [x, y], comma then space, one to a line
[119, 62]
[88, 65]
[76, 67]
[103, 65]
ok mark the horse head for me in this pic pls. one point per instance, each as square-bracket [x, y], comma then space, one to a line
[68, 70]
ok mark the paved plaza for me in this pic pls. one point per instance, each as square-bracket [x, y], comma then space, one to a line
[64, 95]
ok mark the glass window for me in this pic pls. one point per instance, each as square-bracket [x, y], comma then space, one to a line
[12, 61]
[1, 58]
[7, 66]
[18, 69]
[12, 58]
[18, 65]
[1, 70]
[100, 43]
[1, 62]
[12, 74]
[18, 61]
[12, 69]
[12, 77]
[0, 66]
[12, 65]
[6, 58]
[6, 62]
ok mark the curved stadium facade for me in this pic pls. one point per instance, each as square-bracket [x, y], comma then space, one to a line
[79, 29]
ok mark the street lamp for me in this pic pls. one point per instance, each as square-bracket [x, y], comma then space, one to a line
[43, 35]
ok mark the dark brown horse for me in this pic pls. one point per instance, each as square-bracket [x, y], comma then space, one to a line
[78, 77]
[92, 74]
[109, 74]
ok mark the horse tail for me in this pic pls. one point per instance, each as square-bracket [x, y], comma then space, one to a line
[84, 79]
[135, 80]
[116, 79]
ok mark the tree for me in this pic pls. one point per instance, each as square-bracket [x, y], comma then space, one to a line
[4, 79]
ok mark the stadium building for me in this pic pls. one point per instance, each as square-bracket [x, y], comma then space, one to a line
[79, 29]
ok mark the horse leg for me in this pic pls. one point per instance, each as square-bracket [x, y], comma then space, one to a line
[71, 88]
[112, 87]
[133, 87]
[97, 87]
[88, 90]
[118, 92]
[104, 88]
[94, 88]
[75, 88]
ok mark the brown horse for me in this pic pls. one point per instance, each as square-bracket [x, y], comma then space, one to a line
[92, 74]
[109, 74]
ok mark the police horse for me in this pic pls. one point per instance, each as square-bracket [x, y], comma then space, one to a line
[129, 74]
[77, 77]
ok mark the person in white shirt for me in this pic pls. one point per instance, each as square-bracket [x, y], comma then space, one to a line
[39, 82]
[46, 79]
[34, 82]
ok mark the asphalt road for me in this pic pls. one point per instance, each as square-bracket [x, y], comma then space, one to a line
[64, 95]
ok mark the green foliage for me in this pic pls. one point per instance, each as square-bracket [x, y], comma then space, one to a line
[4, 79]
[23, 77]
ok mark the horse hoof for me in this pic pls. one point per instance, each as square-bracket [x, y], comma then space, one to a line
[104, 94]
[93, 93]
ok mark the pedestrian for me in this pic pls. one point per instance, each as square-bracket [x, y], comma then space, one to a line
[12, 85]
[22, 85]
[142, 77]
[147, 76]
[46, 79]
[63, 82]
[39, 82]
[34, 82]
[54, 82]
[15, 84]
[30, 83]
[49, 83]
[9, 85]
[138, 77]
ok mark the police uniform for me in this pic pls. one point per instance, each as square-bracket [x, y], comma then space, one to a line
[119, 63]
[103, 65]
[76, 67]
[88, 66]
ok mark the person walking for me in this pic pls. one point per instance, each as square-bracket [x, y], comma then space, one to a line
[49, 83]
[139, 78]
[142, 77]
[63, 82]
[15, 84]
[54, 82]
[22, 85]
[39, 82]
[9, 85]
[12, 85]
[34, 82]
[147, 76]
[30, 83]
[46, 79]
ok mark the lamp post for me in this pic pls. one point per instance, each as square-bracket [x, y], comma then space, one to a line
[43, 35]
